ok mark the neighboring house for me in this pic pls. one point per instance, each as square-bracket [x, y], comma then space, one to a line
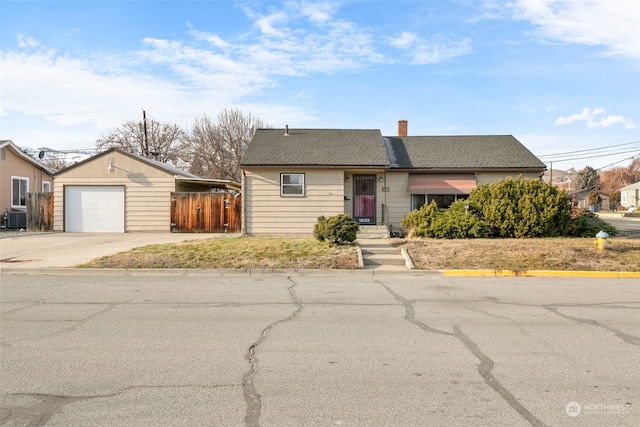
[630, 196]
[116, 191]
[580, 198]
[20, 174]
[293, 176]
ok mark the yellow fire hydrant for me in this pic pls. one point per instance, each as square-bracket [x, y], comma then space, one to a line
[601, 240]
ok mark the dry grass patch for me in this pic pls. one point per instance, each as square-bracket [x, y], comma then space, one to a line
[523, 254]
[235, 253]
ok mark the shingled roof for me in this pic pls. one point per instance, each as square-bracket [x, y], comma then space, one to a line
[316, 147]
[460, 152]
[367, 147]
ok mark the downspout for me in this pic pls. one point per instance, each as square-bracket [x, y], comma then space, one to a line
[243, 230]
[384, 185]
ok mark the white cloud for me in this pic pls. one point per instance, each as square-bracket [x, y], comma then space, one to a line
[609, 23]
[318, 12]
[589, 116]
[430, 51]
[26, 42]
[610, 120]
[404, 40]
[440, 51]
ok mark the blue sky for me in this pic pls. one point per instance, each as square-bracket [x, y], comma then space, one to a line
[558, 75]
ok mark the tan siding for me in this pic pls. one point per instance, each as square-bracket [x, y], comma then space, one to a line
[398, 199]
[267, 213]
[14, 165]
[147, 191]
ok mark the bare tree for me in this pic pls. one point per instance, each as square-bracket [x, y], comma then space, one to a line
[216, 148]
[53, 160]
[614, 179]
[160, 141]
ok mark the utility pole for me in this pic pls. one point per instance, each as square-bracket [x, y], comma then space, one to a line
[145, 141]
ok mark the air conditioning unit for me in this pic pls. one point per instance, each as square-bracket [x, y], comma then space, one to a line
[15, 220]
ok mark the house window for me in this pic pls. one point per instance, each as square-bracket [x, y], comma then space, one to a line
[292, 184]
[19, 190]
[46, 187]
[442, 200]
[417, 201]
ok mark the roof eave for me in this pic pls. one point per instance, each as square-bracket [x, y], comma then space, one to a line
[468, 170]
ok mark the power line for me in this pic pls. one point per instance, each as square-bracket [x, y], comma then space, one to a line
[593, 157]
[566, 153]
[619, 161]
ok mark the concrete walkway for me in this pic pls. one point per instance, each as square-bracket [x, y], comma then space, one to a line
[380, 254]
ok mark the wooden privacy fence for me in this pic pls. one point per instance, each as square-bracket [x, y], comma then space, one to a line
[206, 213]
[40, 211]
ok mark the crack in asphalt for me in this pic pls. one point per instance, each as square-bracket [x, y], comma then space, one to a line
[251, 395]
[39, 413]
[484, 367]
[76, 325]
[628, 338]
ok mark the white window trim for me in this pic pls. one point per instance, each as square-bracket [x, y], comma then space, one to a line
[282, 184]
[47, 183]
[21, 178]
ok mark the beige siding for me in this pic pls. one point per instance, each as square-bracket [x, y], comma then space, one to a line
[14, 165]
[267, 213]
[397, 199]
[147, 191]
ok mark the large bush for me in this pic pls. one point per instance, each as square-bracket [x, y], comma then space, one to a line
[454, 223]
[419, 221]
[337, 229]
[587, 224]
[458, 222]
[522, 208]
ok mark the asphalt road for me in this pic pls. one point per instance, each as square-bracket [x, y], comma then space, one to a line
[627, 226]
[318, 350]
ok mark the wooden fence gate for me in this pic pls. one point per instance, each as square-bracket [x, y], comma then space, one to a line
[40, 211]
[206, 213]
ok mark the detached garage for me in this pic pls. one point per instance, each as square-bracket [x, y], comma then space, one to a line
[117, 192]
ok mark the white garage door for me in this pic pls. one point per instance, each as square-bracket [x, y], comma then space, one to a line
[94, 209]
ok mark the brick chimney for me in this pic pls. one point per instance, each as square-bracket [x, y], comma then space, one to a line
[403, 127]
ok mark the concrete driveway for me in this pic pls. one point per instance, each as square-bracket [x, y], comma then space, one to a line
[51, 250]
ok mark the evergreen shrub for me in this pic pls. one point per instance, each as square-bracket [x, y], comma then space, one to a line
[338, 229]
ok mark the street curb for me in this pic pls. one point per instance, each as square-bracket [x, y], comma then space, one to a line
[284, 272]
[541, 273]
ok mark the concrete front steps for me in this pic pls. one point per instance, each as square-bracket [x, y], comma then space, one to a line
[373, 232]
[380, 254]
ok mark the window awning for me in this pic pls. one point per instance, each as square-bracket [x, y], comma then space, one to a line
[441, 183]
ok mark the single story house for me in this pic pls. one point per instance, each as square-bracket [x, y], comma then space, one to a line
[116, 191]
[19, 174]
[580, 198]
[292, 176]
[630, 196]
